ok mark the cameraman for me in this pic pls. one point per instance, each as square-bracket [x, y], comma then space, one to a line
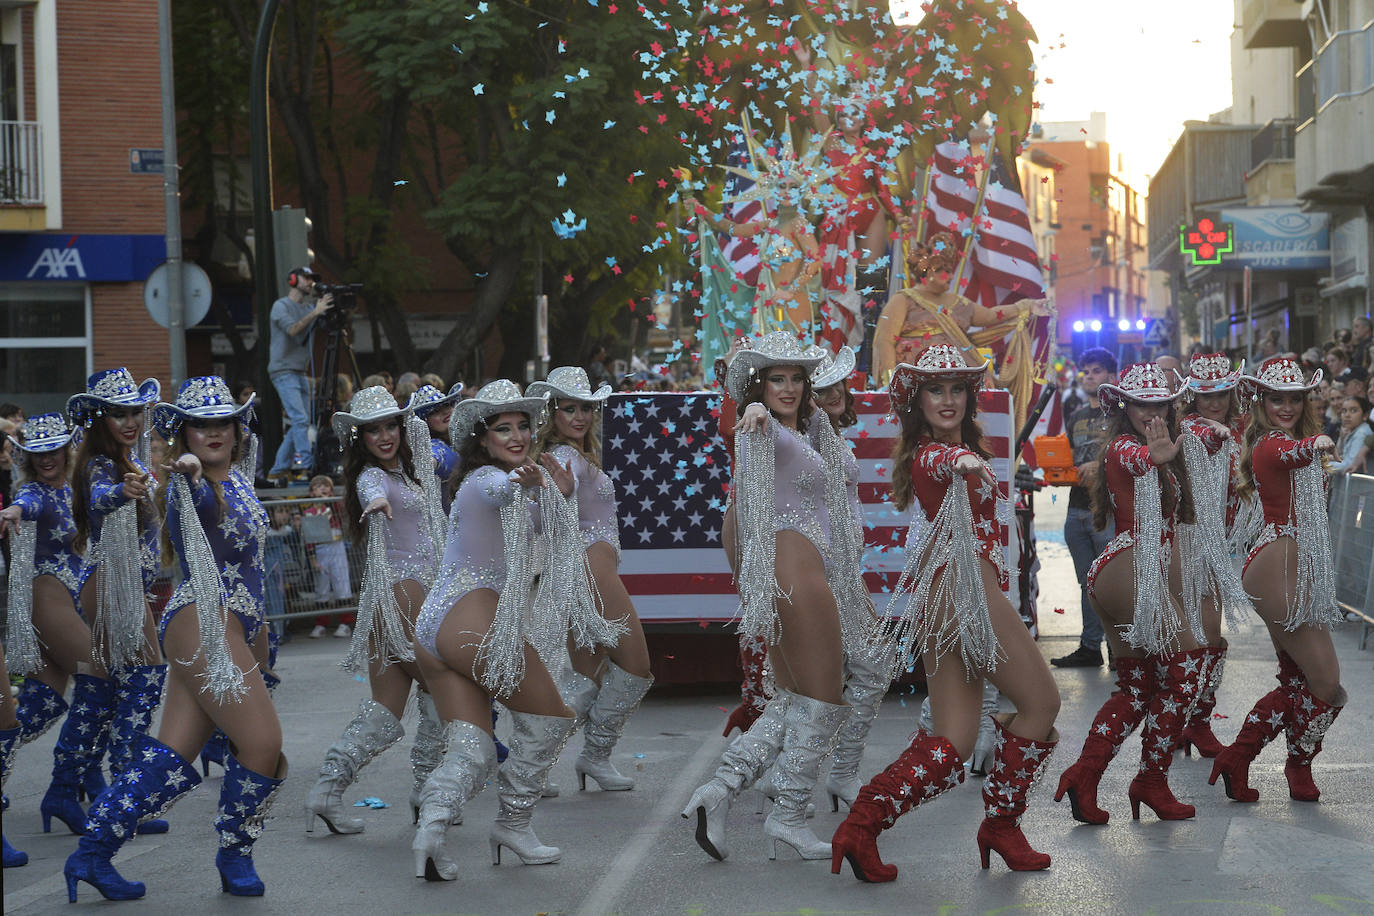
[293, 325]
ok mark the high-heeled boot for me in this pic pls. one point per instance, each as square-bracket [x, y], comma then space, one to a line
[91, 710]
[427, 751]
[811, 729]
[244, 800]
[468, 760]
[617, 699]
[928, 767]
[1018, 763]
[745, 759]
[753, 656]
[1262, 725]
[372, 731]
[39, 708]
[986, 745]
[1179, 681]
[138, 691]
[216, 747]
[535, 744]
[1198, 732]
[864, 689]
[1114, 722]
[154, 780]
[10, 739]
[1307, 727]
[501, 749]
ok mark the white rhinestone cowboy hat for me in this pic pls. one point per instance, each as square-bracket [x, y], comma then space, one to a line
[1142, 383]
[1211, 373]
[498, 397]
[833, 370]
[569, 382]
[46, 432]
[941, 362]
[780, 348]
[202, 397]
[371, 405]
[1278, 373]
[428, 399]
[110, 388]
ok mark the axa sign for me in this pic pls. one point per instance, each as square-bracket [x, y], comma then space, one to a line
[55, 264]
[50, 257]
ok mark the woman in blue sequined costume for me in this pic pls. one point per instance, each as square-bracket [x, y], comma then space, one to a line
[214, 533]
[393, 505]
[605, 684]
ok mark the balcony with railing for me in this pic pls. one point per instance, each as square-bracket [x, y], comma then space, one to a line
[1271, 176]
[21, 163]
[1273, 24]
[1335, 147]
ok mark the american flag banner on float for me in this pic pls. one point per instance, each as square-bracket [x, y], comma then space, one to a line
[672, 473]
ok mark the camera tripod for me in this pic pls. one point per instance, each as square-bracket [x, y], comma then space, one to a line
[328, 448]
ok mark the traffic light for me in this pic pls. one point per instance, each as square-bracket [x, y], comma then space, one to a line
[291, 239]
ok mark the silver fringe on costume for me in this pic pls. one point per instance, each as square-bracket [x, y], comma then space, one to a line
[247, 465]
[1246, 526]
[567, 602]
[436, 524]
[380, 621]
[22, 652]
[1155, 627]
[755, 519]
[1315, 601]
[223, 679]
[855, 605]
[120, 605]
[1202, 546]
[952, 615]
[501, 654]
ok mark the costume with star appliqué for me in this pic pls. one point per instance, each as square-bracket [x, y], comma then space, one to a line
[51, 509]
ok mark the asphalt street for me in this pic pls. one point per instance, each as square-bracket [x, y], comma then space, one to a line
[630, 852]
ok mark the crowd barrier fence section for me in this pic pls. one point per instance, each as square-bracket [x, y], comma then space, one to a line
[1351, 510]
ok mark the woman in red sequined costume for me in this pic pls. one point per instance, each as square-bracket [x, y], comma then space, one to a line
[1289, 572]
[955, 615]
[1133, 586]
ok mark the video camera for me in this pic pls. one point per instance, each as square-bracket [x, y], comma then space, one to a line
[345, 301]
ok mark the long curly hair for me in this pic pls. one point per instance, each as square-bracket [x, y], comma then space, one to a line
[96, 442]
[474, 454]
[915, 428]
[548, 436]
[1309, 424]
[1171, 498]
[754, 392]
[356, 459]
[175, 449]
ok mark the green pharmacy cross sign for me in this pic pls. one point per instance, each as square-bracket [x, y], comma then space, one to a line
[1206, 242]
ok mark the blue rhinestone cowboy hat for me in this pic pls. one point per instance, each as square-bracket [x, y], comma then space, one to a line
[428, 399]
[371, 405]
[779, 348]
[569, 382]
[498, 397]
[110, 388]
[833, 369]
[46, 432]
[201, 397]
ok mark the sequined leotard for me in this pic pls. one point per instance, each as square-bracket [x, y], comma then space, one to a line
[51, 508]
[106, 494]
[596, 507]
[409, 550]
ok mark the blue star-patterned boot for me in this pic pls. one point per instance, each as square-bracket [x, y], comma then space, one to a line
[39, 709]
[154, 779]
[138, 691]
[214, 751]
[75, 752]
[244, 799]
[9, 744]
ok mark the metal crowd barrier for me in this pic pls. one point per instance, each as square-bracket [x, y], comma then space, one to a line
[1351, 510]
[311, 568]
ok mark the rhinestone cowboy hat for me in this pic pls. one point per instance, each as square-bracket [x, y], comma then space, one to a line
[1278, 373]
[429, 399]
[371, 405]
[203, 397]
[498, 397]
[1211, 373]
[941, 362]
[46, 432]
[780, 348]
[833, 369]
[110, 388]
[1142, 383]
[569, 382]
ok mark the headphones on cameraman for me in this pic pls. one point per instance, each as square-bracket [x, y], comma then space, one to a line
[293, 279]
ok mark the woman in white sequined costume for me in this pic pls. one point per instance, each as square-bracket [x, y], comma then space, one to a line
[783, 539]
[476, 633]
[1290, 573]
[392, 504]
[1136, 585]
[214, 533]
[116, 532]
[953, 613]
[606, 684]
